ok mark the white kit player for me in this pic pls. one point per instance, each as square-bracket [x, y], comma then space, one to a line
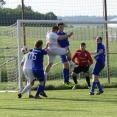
[26, 63]
[51, 41]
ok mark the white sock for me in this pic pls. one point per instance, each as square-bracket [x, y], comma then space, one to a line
[70, 62]
[45, 73]
[29, 91]
[26, 88]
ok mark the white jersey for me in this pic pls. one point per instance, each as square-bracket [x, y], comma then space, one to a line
[51, 40]
[27, 59]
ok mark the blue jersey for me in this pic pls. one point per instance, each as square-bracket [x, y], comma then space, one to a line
[63, 43]
[101, 56]
[37, 62]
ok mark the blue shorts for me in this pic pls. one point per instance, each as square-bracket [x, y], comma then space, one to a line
[99, 65]
[63, 58]
[39, 74]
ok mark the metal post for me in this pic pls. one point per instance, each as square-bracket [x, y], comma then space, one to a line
[107, 46]
[19, 54]
[23, 24]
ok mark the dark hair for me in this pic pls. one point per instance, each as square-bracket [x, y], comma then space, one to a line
[60, 23]
[30, 50]
[100, 38]
[55, 28]
[38, 43]
[83, 44]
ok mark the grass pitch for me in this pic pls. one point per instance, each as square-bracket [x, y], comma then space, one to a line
[60, 103]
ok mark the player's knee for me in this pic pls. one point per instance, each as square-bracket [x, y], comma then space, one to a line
[86, 74]
[66, 65]
[73, 74]
[32, 83]
[42, 83]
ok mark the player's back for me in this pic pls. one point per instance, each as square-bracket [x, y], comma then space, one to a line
[37, 62]
[101, 56]
[51, 39]
[27, 61]
[63, 43]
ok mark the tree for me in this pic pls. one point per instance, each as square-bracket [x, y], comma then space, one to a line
[2, 2]
[27, 8]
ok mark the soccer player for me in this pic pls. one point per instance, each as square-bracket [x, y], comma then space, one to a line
[51, 40]
[37, 67]
[99, 65]
[26, 63]
[83, 60]
[65, 59]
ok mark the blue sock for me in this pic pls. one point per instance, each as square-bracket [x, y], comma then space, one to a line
[99, 86]
[93, 87]
[39, 89]
[44, 85]
[66, 74]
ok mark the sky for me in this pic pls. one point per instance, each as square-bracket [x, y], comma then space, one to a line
[68, 7]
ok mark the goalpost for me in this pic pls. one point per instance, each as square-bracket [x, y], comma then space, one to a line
[85, 31]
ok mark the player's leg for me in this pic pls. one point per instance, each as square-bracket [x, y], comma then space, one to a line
[65, 70]
[30, 79]
[58, 51]
[51, 59]
[95, 81]
[76, 71]
[100, 90]
[86, 74]
[68, 55]
[40, 76]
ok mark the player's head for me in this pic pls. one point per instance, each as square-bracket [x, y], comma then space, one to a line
[82, 46]
[99, 39]
[60, 26]
[55, 29]
[38, 44]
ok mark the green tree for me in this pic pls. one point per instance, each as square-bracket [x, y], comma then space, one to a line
[27, 8]
[2, 2]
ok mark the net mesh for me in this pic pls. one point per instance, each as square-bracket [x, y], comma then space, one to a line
[34, 31]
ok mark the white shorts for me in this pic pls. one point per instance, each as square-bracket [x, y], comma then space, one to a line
[29, 74]
[54, 52]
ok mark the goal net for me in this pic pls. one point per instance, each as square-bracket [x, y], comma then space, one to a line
[14, 37]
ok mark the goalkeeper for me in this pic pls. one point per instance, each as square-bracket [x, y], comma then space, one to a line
[84, 60]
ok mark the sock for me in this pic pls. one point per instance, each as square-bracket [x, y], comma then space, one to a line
[44, 86]
[93, 87]
[75, 79]
[88, 81]
[66, 75]
[40, 88]
[99, 86]
[26, 88]
[70, 62]
[45, 73]
[29, 91]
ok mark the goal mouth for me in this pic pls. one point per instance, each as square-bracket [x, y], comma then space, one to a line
[86, 31]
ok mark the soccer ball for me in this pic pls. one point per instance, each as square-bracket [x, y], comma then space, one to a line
[24, 49]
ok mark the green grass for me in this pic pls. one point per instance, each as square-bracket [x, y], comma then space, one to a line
[60, 103]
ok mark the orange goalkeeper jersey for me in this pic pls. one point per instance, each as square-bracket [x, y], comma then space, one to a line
[83, 58]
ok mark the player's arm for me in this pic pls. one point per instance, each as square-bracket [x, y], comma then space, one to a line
[46, 46]
[65, 36]
[90, 59]
[73, 57]
[22, 62]
[99, 47]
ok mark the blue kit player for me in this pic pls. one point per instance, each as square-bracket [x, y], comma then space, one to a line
[37, 67]
[99, 65]
[65, 59]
